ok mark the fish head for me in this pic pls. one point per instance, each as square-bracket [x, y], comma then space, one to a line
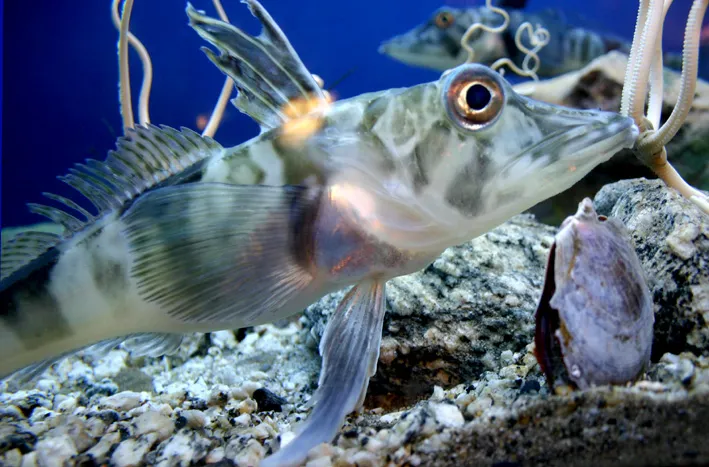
[514, 151]
[436, 43]
[468, 153]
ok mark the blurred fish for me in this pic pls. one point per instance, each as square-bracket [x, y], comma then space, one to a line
[436, 43]
[190, 236]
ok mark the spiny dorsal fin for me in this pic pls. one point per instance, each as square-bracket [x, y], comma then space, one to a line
[267, 71]
[145, 158]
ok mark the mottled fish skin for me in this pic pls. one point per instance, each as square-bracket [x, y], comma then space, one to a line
[193, 237]
[436, 44]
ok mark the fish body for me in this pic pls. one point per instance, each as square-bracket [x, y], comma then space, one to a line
[436, 43]
[189, 236]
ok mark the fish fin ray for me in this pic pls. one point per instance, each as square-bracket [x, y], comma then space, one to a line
[152, 344]
[23, 248]
[145, 158]
[266, 69]
[138, 345]
[219, 254]
[350, 351]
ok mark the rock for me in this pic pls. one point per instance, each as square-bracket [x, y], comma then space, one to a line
[154, 422]
[671, 237]
[599, 86]
[130, 452]
[55, 451]
[453, 320]
[123, 401]
[184, 449]
[268, 401]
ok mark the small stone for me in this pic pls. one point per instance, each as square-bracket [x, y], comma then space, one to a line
[530, 386]
[30, 460]
[99, 451]
[247, 406]
[12, 458]
[448, 415]
[214, 456]
[154, 422]
[194, 418]
[122, 402]
[184, 449]
[223, 339]
[364, 459]
[244, 419]
[268, 401]
[219, 395]
[47, 385]
[319, 462]
[130, 452]
[56, 451]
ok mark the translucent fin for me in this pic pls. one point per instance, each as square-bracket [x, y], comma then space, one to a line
[152, 344]
[145, 158]
[23, 248]
[139, 345]
[31, 372]
[350, 350]
[266, 70]
[219, 254]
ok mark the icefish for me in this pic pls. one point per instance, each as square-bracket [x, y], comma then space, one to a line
[189, 236]
[436, 43]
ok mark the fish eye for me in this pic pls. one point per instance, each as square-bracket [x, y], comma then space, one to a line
[474, 97]
[444, 20]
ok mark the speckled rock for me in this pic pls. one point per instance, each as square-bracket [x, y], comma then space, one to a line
[451, 321]
[671, 237]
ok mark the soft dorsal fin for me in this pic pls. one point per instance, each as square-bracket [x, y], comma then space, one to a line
[145, 158]
[24, 248]
[268, 73]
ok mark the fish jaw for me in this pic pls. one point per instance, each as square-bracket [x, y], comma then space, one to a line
[422, 47]
[552, 148]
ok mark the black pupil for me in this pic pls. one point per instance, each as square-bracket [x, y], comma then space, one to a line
[477, 97]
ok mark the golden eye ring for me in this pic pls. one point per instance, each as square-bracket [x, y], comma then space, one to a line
[474, 97]
[444, 20]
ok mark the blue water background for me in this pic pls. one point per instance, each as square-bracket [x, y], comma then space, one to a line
[60, 94]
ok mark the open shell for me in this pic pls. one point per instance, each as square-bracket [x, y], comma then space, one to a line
[594, 322]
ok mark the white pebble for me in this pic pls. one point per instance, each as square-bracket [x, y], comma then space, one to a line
[53, 452]
[154, 422]
[121, 402]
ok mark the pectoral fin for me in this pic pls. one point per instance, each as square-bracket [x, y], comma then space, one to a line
[350, 350]
[221, 255]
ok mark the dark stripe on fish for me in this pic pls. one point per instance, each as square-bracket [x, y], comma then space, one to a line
[28, 309]
[304, 206]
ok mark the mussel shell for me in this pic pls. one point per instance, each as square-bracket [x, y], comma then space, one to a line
[595, 315]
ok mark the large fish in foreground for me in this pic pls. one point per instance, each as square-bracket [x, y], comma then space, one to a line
[189, 236]
[436, 43]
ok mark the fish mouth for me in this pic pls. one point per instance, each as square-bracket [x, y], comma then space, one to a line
[595, 142]
[408, 48]
[576, 139]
